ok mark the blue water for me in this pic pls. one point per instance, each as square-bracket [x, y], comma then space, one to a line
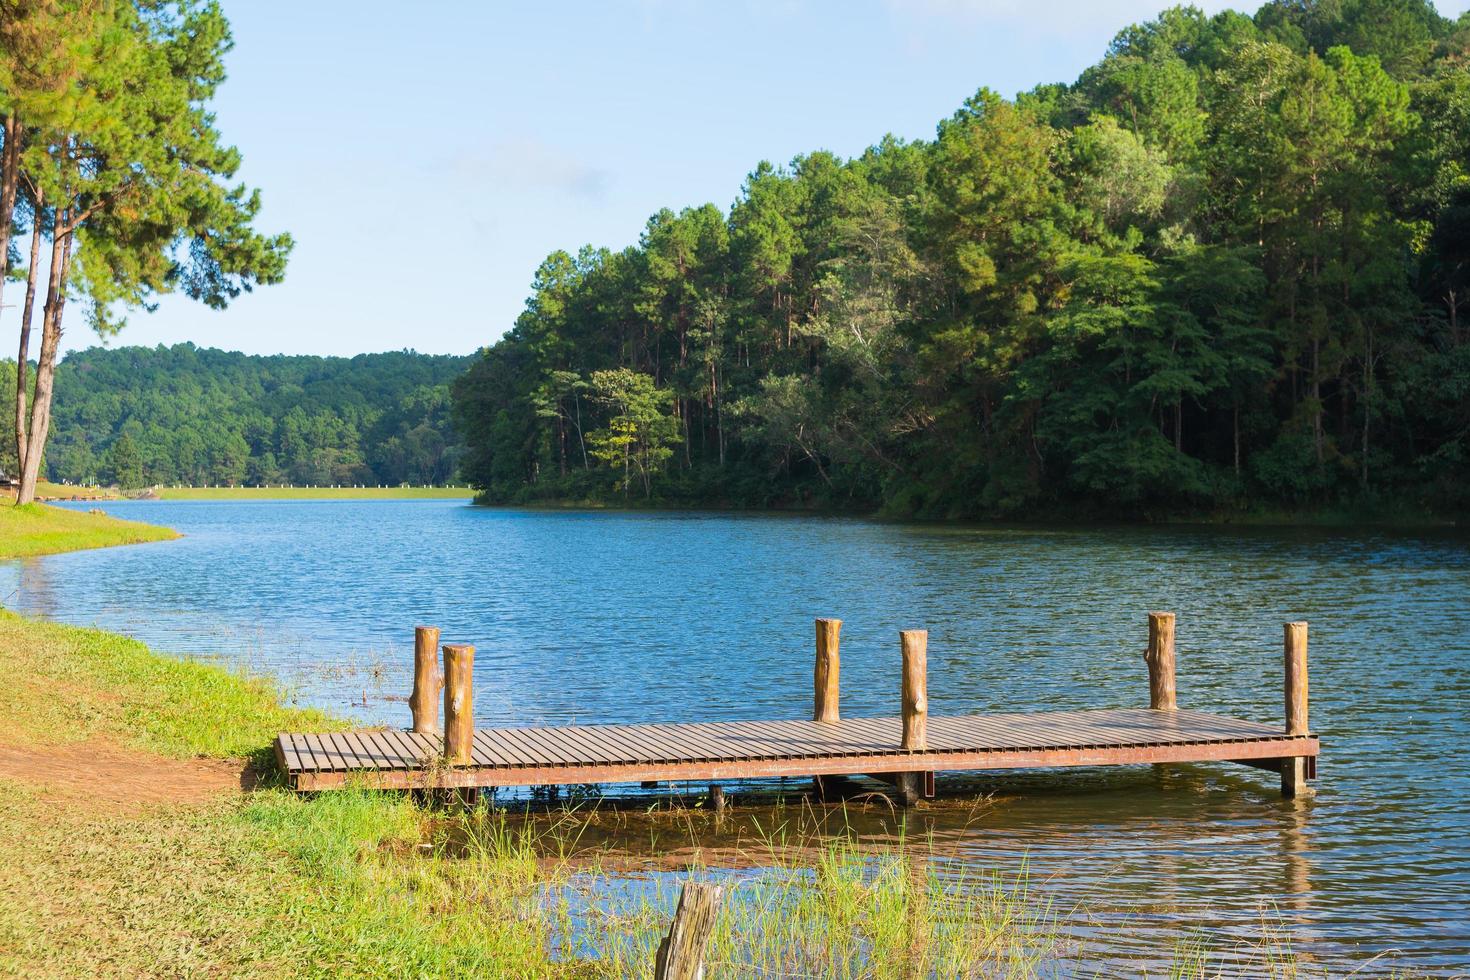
[619, 617]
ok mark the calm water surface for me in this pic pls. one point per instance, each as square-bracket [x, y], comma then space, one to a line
[616, 617]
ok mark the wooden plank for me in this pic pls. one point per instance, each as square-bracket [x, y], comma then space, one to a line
[513, 747]
[688, 742]
[286, 753]
[364, 757]
[632, 742]
[704, 740]
[342, 743]
[420, 746]
[746, 742]
[484, 753]
[383, 748]
[304, 752]
[400, 751]
[327, 756]
[592, 750]
[734, 749]
[843, 765]
[554, 746]
[501, 743]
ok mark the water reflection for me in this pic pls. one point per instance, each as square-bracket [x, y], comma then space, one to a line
[606, 617]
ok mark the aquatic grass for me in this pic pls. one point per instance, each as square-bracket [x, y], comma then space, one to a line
[828, 906]
[39, 529]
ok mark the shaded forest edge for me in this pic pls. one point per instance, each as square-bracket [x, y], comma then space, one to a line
[138, 416]
[1223, 274]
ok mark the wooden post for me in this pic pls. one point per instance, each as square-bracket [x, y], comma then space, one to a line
[428, 681]
[459, 701]
[915, 644]
[1160, 657]
[1294, 770]
[829, 632]
[681, 954]
[717, 798]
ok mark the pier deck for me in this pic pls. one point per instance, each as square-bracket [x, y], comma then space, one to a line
[580, 754]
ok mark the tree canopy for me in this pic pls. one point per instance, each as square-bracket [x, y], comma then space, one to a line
[1227, 266]
[109, 151]
[139, 416]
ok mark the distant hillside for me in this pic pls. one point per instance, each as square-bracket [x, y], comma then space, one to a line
[141, 416]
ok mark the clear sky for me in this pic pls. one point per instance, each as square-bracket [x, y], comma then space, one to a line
[427, 156]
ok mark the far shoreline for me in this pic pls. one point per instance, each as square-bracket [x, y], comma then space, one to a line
[57, 493]
[1325, 518]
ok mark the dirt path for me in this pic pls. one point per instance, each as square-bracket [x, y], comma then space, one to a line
[111, 779]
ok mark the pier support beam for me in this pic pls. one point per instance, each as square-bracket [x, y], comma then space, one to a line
[459, 700]
[828, 669]
[1160, 657]
[427, 681]
[912, 786]
[915, 692]
[1294, 771]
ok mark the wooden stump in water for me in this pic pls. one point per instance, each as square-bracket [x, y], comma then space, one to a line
[459, 712]
[428, 681]
[681, 954]
[829, 632]
[915, 644]
[1294, 771]
[1160, 657]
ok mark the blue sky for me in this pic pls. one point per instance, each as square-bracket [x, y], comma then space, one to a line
[427, 161]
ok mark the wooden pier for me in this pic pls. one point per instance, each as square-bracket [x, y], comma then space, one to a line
[906, 750]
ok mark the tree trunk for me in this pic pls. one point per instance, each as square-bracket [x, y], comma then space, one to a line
[581, 440]
[1316, 390]
[9, 182]
[1179, 425]
[561, 439]
[33, 273]
[1235, 425]
[1367, 402]
[46, 363]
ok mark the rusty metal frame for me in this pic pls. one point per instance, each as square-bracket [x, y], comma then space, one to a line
[1247, 751]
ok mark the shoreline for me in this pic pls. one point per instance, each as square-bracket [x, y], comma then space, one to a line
[54, 493]
[41, 529]
[1325, 519]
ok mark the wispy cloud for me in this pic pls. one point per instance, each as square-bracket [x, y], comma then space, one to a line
[527, 163]
[1041, 16]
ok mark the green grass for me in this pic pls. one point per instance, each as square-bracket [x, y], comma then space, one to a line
[352, 882]
[46, 490]
[39, 529]
[71, 684]
[315, 493]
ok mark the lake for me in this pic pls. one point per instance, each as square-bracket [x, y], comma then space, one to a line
[625, 617]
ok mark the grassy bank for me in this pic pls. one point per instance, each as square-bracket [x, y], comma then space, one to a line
[39, 529]
[268, 883]
[314, 493]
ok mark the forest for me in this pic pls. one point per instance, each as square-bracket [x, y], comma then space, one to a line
[1227, 268]
[138, 416]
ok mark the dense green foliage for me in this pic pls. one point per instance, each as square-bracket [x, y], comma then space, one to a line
[111, 155]
[1228, 266]
[138, 416]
